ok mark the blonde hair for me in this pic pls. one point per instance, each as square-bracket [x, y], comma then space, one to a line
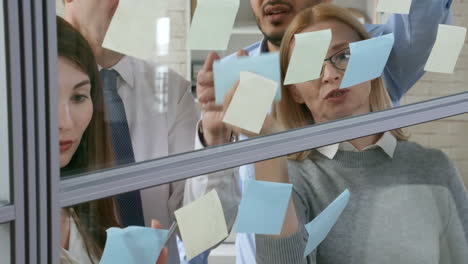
[293, 115]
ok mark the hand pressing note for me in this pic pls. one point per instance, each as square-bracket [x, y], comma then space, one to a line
[215, 132]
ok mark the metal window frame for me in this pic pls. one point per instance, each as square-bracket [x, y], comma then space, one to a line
[16, 212]
[31, 55]
[144, 175]
[38, 192]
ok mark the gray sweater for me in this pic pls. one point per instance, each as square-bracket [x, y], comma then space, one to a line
[412, 208]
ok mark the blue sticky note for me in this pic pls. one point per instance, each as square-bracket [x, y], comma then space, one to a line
[322, 224]
[368, 60]
[227, 73]
[133, 245]
[263, 207]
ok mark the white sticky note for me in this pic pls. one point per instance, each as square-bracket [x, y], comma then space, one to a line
[307, 58]
[202, 224]
[251, 102]
[394, 6]
[212, 24]
[447, 49]
[133, 28]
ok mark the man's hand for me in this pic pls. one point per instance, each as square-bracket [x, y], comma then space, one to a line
[215, 132]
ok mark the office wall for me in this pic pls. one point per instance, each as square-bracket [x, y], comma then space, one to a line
[449, 135]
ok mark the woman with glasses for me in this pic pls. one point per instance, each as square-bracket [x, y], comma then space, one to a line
[407, 204]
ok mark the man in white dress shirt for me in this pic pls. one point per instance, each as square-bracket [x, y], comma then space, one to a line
[156, 130]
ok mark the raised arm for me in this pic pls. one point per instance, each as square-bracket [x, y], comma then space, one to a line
[415, 35]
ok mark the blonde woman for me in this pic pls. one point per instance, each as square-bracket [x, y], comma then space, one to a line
[407, 205]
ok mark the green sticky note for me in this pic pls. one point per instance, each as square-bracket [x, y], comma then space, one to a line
[133, 28]
[251, 102]
[202, 224]
[212, 24]
[447, 48]
[307, 58]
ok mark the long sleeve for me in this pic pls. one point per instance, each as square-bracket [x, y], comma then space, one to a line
[226, 184]
[415, 35]
[454, 240]
[285, 250]
[183, 118]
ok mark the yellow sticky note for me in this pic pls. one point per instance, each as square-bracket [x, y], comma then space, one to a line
[307, 58]
[251, 102]
[133, 28]
[212, 24]
[202, 224]
[394, 6]
[447, 49]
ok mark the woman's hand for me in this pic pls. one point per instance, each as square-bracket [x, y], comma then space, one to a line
[164, 253]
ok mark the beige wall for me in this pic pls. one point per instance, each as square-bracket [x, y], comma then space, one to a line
[450, 134]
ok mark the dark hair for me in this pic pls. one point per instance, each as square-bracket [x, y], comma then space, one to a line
[95, 150]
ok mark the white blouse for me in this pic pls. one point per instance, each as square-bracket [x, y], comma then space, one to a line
[76, 253]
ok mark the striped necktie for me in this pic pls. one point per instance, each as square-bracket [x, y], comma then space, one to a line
[130, 205]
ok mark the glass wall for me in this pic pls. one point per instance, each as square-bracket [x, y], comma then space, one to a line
[5, 243]
[404, 185]
[154, 95]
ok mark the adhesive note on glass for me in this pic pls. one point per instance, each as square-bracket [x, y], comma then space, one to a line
[251, 102]
[227, 73]
[263, 207]
[368, 60]
[447, 49]
[202, 224]
[133, 244]
[319, 228]
[307, 58]
[212, 24]
[394, 6]
[133, 28]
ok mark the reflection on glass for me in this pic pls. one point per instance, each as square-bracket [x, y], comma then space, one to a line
[402, 192]
[5, 243]
[4, 137]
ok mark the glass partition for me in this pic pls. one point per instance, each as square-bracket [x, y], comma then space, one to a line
[5, 243]
[146, 54]
[403, 184]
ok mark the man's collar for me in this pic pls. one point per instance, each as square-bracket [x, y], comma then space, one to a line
[387, 143]
[125, 70]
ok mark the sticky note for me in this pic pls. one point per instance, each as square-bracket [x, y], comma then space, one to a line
[447, 49]
[319, 228]
[251, 102]
[394, 6]
[133, 28]
[202, 224]
[310, 50]
[133, 244]
[368, 60]
[212, 24]
[263, 207]
[227, 73]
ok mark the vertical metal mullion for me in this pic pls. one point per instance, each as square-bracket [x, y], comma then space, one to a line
[15, 113]
[42, 142]
[51, 108]
[29, 94]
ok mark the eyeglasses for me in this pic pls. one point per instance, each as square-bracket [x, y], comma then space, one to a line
[339, 60]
